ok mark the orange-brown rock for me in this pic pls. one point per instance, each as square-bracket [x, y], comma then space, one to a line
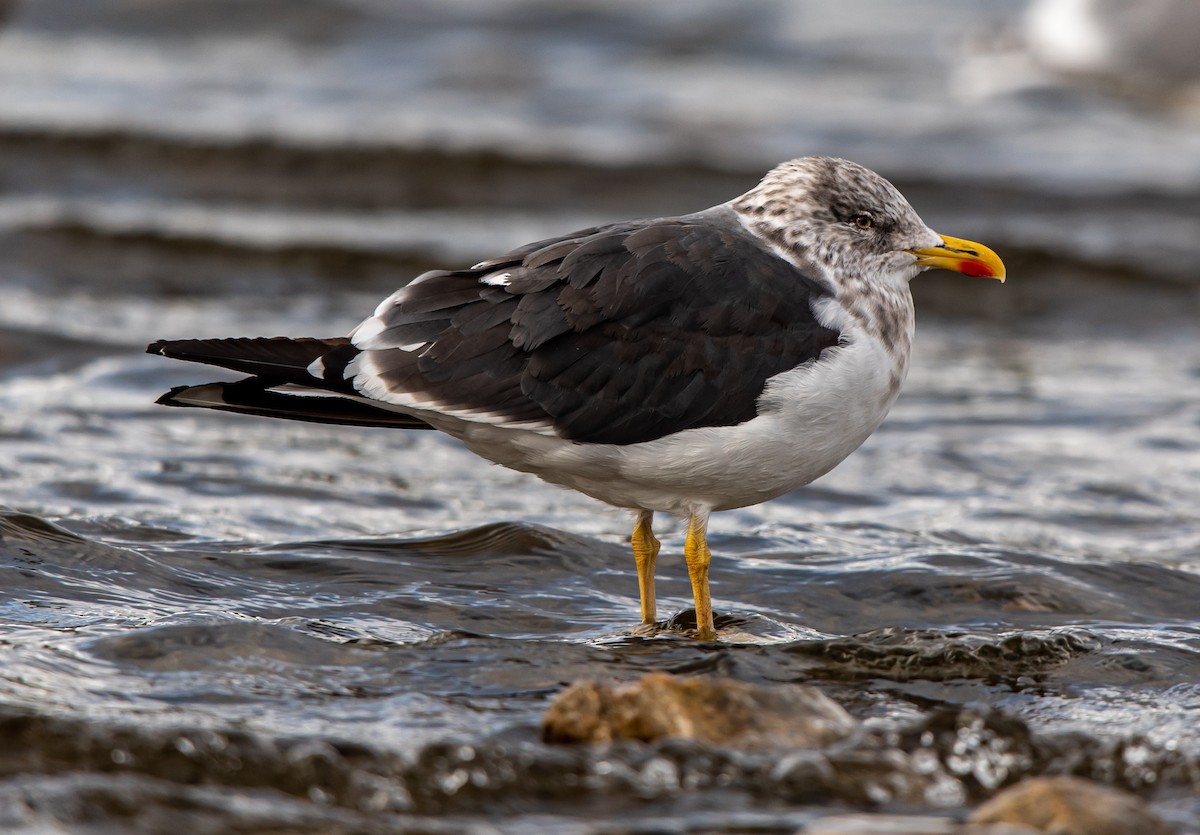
[1071, 806]
[721, 711]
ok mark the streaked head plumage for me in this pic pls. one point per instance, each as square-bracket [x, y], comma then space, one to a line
[839, 215]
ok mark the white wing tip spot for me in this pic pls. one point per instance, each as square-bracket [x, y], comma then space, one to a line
[497, 279]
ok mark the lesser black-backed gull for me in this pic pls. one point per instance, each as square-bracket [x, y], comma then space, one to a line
[683, 364]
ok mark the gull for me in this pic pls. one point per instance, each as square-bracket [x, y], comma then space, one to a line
[683, 365]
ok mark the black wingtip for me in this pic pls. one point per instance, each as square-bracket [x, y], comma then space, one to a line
[159, 347]
[168, 398]
[250, 397]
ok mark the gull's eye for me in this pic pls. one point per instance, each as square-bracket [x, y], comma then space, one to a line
[863, 220]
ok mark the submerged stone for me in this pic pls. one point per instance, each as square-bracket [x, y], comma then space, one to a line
[904, 654]
[717, 710]
[1071, 806]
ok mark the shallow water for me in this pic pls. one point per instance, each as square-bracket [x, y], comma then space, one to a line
[237, 625]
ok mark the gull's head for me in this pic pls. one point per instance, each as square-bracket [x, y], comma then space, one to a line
[850, 221]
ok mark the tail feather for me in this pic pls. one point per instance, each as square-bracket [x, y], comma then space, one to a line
[279, 359]
[288, 378]
[252, 397]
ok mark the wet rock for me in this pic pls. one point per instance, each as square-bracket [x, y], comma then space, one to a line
[982, 749]
[714, 710]
[342, 773]
[1071, 806]
[904, 654]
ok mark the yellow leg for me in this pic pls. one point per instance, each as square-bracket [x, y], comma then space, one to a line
[645, 551]
[695, 551]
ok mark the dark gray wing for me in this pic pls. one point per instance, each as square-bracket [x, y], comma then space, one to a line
[617, 335]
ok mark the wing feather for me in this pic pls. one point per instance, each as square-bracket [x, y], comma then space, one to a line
[616, 334]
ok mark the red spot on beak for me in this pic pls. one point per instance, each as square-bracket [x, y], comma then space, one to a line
[976, 269]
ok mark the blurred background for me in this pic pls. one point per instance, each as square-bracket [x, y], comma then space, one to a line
[177, 168]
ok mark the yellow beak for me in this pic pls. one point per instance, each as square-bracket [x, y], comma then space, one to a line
[966, 257]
